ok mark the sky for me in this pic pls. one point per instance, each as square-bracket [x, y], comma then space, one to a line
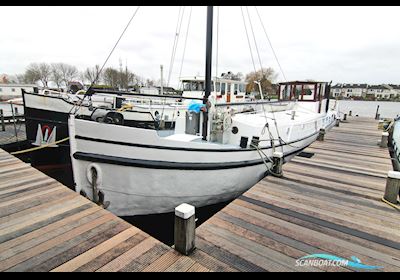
[339, 44]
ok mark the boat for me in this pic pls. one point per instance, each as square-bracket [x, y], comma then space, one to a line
[213, 155]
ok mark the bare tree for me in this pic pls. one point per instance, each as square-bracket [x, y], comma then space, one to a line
[56, 75]
[111, 77]
[265, 76]
[68, 72]
[90, 74]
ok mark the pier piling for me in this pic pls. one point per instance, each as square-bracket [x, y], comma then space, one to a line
[278, 162]
[3, 125]
[350, 113]
[345, 117]
[184, 229]
[321, 135]
[392, 187]
[384, 140]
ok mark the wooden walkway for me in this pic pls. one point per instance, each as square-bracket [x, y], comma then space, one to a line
[9, 136]
[329, 203]
[44, 226]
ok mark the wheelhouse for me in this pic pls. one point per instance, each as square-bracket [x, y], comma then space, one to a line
[224, 90]
[305, 91]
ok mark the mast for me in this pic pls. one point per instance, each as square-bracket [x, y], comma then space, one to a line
[208, 67]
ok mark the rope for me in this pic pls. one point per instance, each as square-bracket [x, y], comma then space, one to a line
[391, 204]
[39, 148]
[184, 48]
[175, 45]
[101, 69]
[248, 41]
[270, 44]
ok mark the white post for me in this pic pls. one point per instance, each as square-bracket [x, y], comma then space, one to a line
[392, 187]
[278, 162]
[384, 140]
[184, 229]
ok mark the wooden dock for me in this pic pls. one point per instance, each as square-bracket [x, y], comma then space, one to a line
[329, 203]
[44, 226]
[12, 134]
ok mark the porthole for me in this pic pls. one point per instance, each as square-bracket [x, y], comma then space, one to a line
[235, 130]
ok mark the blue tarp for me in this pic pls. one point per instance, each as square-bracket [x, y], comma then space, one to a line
[195, 106]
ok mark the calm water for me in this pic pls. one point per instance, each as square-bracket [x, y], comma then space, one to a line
[368, 108]
[6, 107]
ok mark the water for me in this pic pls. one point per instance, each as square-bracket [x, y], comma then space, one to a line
[6, 107]
[368, 108]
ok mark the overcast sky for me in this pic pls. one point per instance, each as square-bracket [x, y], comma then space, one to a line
[342, 44]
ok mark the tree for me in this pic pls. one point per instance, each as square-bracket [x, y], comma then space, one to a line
[111, 77]
[38, 72]
[56, 75]
[90, 74]
[265, 76]
[68, 72]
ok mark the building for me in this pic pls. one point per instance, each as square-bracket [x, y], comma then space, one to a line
[365, 91]
[9, 91]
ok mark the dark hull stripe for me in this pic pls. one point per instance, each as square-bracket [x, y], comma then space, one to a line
[154, 164]
[185, 149]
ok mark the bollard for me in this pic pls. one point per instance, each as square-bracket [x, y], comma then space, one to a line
[380, 124]
[377, 115]
[293, 114]
[392, 187]
[350, 113]
[345, 117]
[337, 122]
[184, 229]
[278, 162]
[3, 125]
[321, 135]
[384, 140]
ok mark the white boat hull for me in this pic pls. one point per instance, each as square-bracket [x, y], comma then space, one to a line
[157, 177]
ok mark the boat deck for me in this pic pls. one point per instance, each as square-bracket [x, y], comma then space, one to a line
[329, 203]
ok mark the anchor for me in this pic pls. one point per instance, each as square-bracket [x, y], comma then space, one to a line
[98, 195]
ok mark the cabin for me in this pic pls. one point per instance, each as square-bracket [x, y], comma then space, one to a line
[313, 95]
[223, 90]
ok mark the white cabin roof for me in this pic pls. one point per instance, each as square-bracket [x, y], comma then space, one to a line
[214, 79]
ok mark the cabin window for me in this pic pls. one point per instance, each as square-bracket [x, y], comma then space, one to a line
[308, 92]
[298, 90]
[218, 86]
[241, 88]
[223, 88]
[235, 89]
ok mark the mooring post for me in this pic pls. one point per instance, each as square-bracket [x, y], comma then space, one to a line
[277, 158]
[350, 113]
[293, 115]
[3, 125]
[345, 117]
[377, 115]
[321, 134]
[337, 122]
[392, 187]
[184, 229]
[380, 124]
[384, 140]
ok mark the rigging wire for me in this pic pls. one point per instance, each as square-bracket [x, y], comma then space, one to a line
[248, 41]
[270, 44]
[101, 69]
[184, 48]
[176, 40]
[217, 42]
